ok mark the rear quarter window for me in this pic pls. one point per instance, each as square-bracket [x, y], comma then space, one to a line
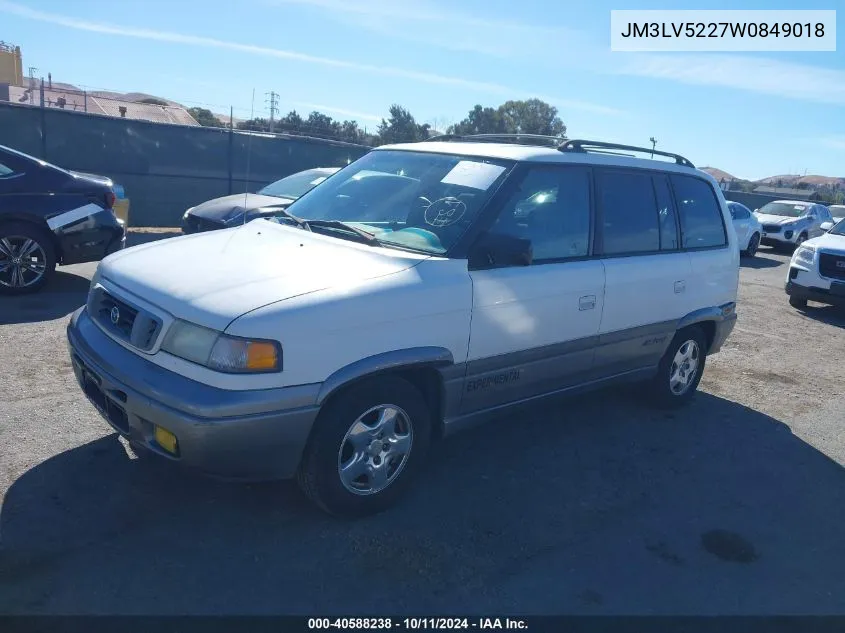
[701, 217]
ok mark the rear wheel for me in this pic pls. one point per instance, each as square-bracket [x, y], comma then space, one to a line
[680, 369]
[753, 245]
[366, 447]
[27, 258]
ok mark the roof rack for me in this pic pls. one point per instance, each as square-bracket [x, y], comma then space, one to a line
[520, 139]
[581, 145]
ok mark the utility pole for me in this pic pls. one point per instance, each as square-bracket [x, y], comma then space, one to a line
[274, 106]
[653, 143]
[32, 70]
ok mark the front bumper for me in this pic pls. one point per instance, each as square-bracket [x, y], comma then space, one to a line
[243, 435]
[780, 238]
[813, 293]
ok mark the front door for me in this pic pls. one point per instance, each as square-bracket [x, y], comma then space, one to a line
[534, 327]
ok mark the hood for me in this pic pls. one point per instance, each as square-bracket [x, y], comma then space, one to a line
[828, 241]
[212, 278]
[222, 209]
[765, 218]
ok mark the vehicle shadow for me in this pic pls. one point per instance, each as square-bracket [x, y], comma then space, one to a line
[759, 262]
[831, 315]
[592, 506]
[62, 294]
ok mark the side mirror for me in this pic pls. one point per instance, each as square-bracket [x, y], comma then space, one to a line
[826, 226]
[497, 250]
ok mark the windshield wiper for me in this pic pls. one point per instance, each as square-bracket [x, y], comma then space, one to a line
[365, 236]
[302, 224]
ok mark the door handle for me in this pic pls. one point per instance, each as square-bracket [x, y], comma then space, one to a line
[587, 302]
[680, 286]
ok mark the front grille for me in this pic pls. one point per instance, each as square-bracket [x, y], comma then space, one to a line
[771, 228]
[832, 266]
[126, 322]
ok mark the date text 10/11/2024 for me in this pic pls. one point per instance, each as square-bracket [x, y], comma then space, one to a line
[513, 624]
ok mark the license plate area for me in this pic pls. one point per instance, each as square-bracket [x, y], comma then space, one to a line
[108, 408]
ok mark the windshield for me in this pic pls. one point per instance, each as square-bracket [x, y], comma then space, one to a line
[838, 228]
[785, 209]
[297, 185]
[417, 200]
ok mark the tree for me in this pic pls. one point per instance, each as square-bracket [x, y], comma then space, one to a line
[401, 127]
[351, 133]
[205, 117]
[512, 117]
[480, 121]
[153, 101]
[531, 117]
[256, 125]
[319, 124]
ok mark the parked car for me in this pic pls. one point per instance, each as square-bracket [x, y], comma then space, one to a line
[817, 270]
[334, 342]
[747, 227]
[228, 211]
[791, 222]
[837, 211]
[49, 216]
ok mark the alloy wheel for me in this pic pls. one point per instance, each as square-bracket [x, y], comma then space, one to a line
[23, 261]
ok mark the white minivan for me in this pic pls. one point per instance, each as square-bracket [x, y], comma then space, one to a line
[415, 292]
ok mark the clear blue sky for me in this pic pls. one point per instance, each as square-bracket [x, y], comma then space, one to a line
[753, 115]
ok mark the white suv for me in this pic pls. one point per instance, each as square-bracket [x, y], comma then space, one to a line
[458, 278]
[791, 222]
[817, 270]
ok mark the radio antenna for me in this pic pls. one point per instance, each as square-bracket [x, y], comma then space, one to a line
[248, 154]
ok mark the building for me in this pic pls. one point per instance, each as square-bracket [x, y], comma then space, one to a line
[16, 89]
[11, 65]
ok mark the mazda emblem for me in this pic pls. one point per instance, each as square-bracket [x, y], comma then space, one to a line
[115, 315]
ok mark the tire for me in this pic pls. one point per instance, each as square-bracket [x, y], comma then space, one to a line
[332, 444]
[800, 304]
[21, 275]
[753, 245]
[801, 239]
[664, 389]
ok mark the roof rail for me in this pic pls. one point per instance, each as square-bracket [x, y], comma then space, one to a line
[582, 145]
[520, 139]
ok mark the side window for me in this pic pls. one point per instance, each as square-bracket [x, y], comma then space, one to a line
[666, 215]
[701, 217]
[551, 208]
[5, 170]
[628, 212]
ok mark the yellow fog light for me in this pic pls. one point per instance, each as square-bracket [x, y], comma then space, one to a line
[166, 440]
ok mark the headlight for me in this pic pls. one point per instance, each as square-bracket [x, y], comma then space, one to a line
[805, 255]
[222, 352]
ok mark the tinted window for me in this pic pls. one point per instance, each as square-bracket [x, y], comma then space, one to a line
[5, 171]
[738, 212]
[628, 212]
[701, 218]
[666, 215]
[551, 208]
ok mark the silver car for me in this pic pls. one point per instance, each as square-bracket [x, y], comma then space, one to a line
[790, 222]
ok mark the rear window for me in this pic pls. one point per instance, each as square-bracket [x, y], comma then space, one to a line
[701, 216]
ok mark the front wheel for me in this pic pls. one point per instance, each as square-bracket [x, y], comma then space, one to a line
[366, 447]
[27, 258]
[680, 369]
[801, 239]
[753, 245]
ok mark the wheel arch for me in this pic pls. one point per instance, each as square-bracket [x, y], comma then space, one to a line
[708, 319]
[8, 217]
[421, 366]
